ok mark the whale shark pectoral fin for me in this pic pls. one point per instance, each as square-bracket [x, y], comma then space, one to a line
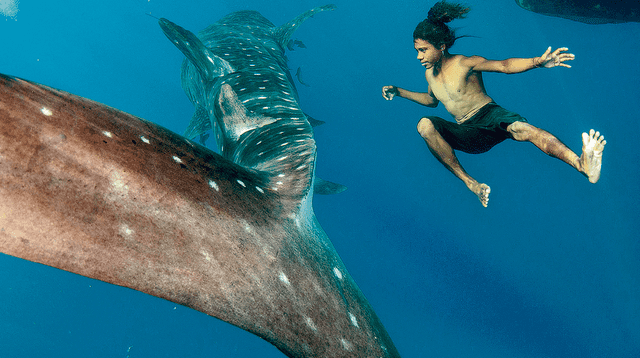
[209, 65]
[284, 32]
[237, 118]
[324, 187]
[314, 122]
[200, 123]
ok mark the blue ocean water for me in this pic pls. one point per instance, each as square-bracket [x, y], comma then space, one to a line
[550, 269]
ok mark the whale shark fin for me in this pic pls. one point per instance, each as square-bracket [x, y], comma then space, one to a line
[314, 122]
[283, 33]
[325, 187]
[199, 124]
[242, 119]
[209, 65]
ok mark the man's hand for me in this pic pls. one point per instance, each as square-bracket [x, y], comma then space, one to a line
[552, 59]
[388, 92]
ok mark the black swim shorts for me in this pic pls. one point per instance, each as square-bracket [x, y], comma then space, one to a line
[479, 133]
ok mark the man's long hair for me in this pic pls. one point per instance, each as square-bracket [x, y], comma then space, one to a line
[434, 28]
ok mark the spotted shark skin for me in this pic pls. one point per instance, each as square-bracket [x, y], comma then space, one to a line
[95, 191]
[586, 11]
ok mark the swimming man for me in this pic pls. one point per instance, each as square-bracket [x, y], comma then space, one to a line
[456, 81]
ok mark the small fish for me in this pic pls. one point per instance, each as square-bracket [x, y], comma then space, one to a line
[291, 44]
[298, 77]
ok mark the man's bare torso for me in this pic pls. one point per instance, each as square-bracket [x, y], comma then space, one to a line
[460, 89]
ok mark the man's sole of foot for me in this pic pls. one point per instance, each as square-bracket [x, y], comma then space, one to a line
[483, 194]
[591, 158]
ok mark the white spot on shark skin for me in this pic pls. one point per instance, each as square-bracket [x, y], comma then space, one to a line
[125, 231]
[241, 183]
[118, 184]
[337, 272]
[177, 160]
[107, 134]
[260, 190]
[144, 139]
[283, 158]
[206, 255]
[384, 348]
[353, 319]
[248, 227]
[311, 324]
[214, 185]
[346, 344]
[46, 111]
[284, 278]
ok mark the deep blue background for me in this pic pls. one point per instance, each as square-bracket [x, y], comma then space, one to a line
[550, 269]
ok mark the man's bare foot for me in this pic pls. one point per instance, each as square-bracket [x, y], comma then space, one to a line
[591, 158]
[482, 191]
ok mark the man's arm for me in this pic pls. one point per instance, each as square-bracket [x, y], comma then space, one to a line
[517, 65]
[423, 98]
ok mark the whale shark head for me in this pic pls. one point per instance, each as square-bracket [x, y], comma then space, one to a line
[95, 191]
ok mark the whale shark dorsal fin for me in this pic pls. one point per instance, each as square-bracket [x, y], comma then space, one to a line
[284, 32]
[242, 119]
[208, 65]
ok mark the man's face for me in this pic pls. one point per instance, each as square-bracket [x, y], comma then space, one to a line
[428, 55]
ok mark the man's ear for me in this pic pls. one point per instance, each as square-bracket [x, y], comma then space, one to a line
[442, 47]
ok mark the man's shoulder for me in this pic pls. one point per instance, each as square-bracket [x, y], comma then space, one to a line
[472, 60]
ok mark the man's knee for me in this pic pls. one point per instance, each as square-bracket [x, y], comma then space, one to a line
[521, 131]
[425, 127]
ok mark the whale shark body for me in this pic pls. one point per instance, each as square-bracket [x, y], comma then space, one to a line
[586, 11]
[95, 191]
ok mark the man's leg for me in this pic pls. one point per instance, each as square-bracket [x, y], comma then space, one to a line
[589, 163]
[445, 155]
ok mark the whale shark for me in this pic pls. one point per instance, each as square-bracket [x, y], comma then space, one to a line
[586, 11]
[92, 190]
